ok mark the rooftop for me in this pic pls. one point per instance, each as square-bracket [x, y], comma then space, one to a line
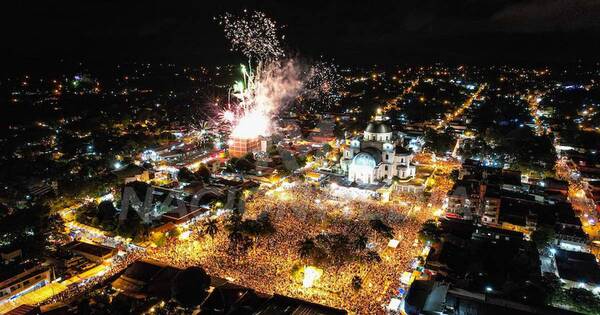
[577, 266]
[378, 127]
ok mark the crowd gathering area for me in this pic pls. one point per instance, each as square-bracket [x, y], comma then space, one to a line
[299, 240]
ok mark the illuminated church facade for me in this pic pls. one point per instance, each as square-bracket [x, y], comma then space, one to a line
[377, 156]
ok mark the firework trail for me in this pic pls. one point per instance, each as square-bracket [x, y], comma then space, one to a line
[272, 81]
[269, 89]
[266, 86]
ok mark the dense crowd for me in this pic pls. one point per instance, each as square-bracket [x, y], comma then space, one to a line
[118, 264]
[272, 262]
[299, 212]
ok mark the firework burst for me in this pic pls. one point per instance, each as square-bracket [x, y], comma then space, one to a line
[323, 85]
[273, 81]
[260, 96]
[253, 34]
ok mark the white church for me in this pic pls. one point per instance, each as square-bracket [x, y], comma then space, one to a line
[377, 156]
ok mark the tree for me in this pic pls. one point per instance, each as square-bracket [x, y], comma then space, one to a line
[454, 175]
[238, 242]
[244, 164]
[211, 227]
[306, 247]
[106, 211]
[140, 188]
[429, 232]
[373, 256]
[190, 286]
[438, 142]
[185, 175]
[360, 243]
[542, 237]
[266, 224]
[231, 164]
[383, 229]
[339, 247]
[583, 301]
[356, 283]
[203, 173]
[552, 287]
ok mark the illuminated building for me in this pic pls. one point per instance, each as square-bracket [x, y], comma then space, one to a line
[238, 147]
[377, 156]
[15, 283]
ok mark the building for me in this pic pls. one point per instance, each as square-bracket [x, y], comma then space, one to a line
[377, 156]
[577, 269]
[425, 297]
[144, 279]
[463, 200]
[132, 173]
[490, 205]
[147, 279]
[93, 252]
[10, 255]
[25, 309]
[324, 132]
[279, 304]
[432, 297]
[239, 147]
[23, 279]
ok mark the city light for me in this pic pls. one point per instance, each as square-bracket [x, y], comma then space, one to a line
[311, 274]
[358, 187]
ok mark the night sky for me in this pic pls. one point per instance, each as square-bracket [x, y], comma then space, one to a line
[352, 32]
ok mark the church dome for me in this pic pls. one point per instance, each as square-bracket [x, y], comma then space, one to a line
[364, 159]
[378, 127]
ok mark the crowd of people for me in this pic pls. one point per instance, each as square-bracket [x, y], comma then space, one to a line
[301, 211]
[76, 289]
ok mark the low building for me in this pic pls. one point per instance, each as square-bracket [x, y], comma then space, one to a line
[9, 255]
[425, 297]
[490, 206]
[25, 309]
[463, 200]
[493, 234]
[182, 214]
[18, 280]
[571, 238]
[93, 252]
[150, 279]
[577, 269]
[279, 304]
[132, 173]
[144, 279]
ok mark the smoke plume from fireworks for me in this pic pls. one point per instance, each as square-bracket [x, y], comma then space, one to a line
[261, 95]
[270, 82]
